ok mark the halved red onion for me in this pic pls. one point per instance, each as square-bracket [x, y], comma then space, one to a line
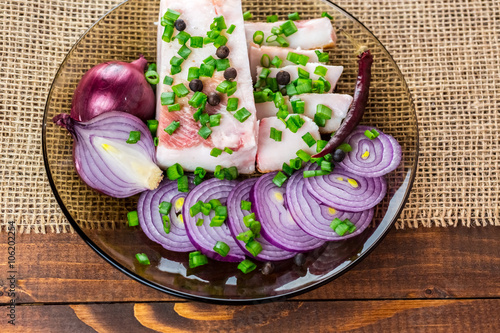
[105, 161]
[205, 237]
[345, 190]
[151, 221]
[278, 226]
[236, 225]
[371, 158]
[315, 217]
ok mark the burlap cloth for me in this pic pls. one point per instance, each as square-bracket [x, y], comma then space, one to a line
[448, 51]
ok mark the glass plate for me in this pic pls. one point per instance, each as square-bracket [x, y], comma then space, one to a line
[129, 30]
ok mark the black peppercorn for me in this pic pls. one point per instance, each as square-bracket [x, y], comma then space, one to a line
[338, 155]
[222, 52]
[230, 74]
[283, 77]
[180, 25]
[214, 99]
[196, 85]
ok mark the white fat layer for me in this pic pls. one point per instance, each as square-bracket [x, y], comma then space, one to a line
[268, 109]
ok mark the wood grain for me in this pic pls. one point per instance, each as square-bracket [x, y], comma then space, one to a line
[291, 316]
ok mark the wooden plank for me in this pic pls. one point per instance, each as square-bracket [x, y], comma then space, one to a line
[423, 263]
[290, 316]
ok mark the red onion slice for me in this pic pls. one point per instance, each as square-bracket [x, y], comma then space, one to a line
[371, 158]
[334, 190]
[236, 225]
[314, 217]
[151, 221]
[205, 237]
[278, 226]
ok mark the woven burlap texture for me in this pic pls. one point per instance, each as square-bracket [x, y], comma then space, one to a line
[449, 53]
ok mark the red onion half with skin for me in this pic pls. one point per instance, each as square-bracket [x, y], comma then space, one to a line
[105, 161]
[278, 226]
[114, 86]
[236, 225]
[371, 158]
[314, 217]
[344, 190]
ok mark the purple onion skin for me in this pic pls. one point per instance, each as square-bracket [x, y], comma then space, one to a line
[114, 86]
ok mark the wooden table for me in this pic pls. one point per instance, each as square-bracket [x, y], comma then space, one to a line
[442, 280]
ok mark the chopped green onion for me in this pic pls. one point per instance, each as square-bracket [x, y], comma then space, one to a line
[287, 169]
[327, 84]
[199, 171]
[271, 38]
[279, 179]
[296, 163]
[258, 37]
[200, 221]
[322, 56]
[175, 70]
[298, 106]
[254, 247]
[272, 19]
[246, 205]
[335, 223]
[205, 132]
[156, 141]
[303, 155]
[193, 73]
[171, 14]
[228, 150]
[206, 208]
[341, 229]
[232, 104]
[282, 112]
[326, 166]
[294, 122]
[142, 258]
[167, 98]
[165, 207]
[180, 90]
[217, 221]
[174, 125]
[183, 37]
[219, 41]
[351, 226]
[133, 218]
[167, 33]
[204, 118]
[152, 125]
[232, 89]
[219, 23]
[293, 57]
[325, 14]
[320, 70]
[166, 223]
[152, 77]
[184, 51]
[320, 144]
[223, 86]
[221, 248]
[275, 134]
[168, 80]
[303, 59]
[370, 134]
[265, 61]
[308, 139]
[213, 34]
[176, 61]
[219, 172]
[248, 219]
[272, 84]
[214, 203]
[247, 16]
[197, 99]
[231, 29]
[258, 97]
[134, 137]
[214, 120]
[318, 86]
[314, 173]
[276, 30]
[195, 209]
[328, 157]
[222, 64]
[265, 73]
[282, 41]
[231, 173]
[321, 122]
[175, 172]
[197, 260]
[345, 147]
[323, 111]
[294, 16]
[242, 114]
[303, 74]
[276, 62]
[215, 152]
[210, 61]
[196, 42]
[305, 87]
[207, 70]
[246, 266]
[245, 236]
[255, 226]
[289, 28]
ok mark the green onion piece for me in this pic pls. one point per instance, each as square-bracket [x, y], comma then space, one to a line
[242, 114]
[245, 236]
[195, 209]
[296, 163]
[167, 33]
[215, 152]
[289, 28]
[325, 14]
[168, 80]
[303, 59]
[180, 90]
[174, 125]
[248, 219]
[199, 171]
[199, 222]
[335, 223]
[321, 122]
[255, 226]
[287, 169]
[254, 247]
[303, 155]
[197, 99]
[204, 119]
[258, 37]
[291, 90]
[279, 179]
[282, 112]
[282, 41]
[156, 141]
[341, 229]
[246, 205]
[294, 16]
[171, 15]
[219, 23]
[268, 95]
[294, 122]
[142, 258]
[222, 64]
[183, 37]
[232, 104]
[223, 86]
[232, 89]
[345, 147]
[214, 203]
[196, 42]
[246, 266]
[303, 74]
[207, 40]
[370, 134]
[258, 97]
[272, 18]
[298, 106]
[165, 207]
[206, 208]
[221, 248]
[231, 173]
[308, 139]
[305, 87]
[164, 22]
[134, 137]
[272, 84]
[184, 51]
[217, 221]
[204, 132]
[265, 61]
[176, 61]
[323, 111]
[322, 56]
[152, 125]
[327, 84]
[133, 218]
[214, 120]
[265, 73]
[175, 172]
[152, 67]
[260, 84]
[193, 73]
[228, 150]
[219, 41]
[320, 145]
[247, 16]
[175, 70]
[320, 70]
[219, 172]
[309, 173]
[351, 226]
[275, 134]
[318, 86]
[276, 62]
[231, 29]
[210, 61]
[167, 98]
[276, 30]
[207, 70]
[152, 77]
[198, 260]
[328, 157]
[271, 38]
[318, 161]
[326, 166]
[293, 57]
[166, 223]
[213, 34]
